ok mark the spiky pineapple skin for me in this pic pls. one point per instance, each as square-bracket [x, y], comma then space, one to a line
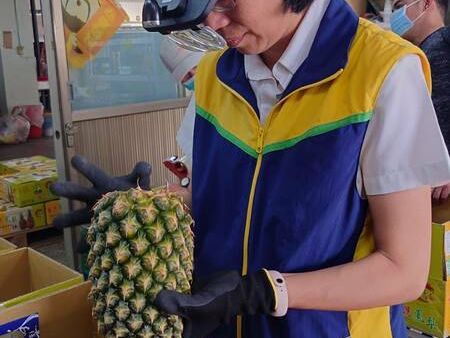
[140, 243]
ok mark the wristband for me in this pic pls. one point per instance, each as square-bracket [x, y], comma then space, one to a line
[278, 283]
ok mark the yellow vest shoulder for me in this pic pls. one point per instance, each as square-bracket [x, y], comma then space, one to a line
[383, 47]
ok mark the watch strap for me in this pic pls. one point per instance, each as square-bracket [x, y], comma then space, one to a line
[278, 283]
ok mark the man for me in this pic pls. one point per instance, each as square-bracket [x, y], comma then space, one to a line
[260, 79]
[301, 128]
[427, 30]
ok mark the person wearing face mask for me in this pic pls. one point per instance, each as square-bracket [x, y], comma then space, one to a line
[422, 23]
[182, 64]
[310, 184]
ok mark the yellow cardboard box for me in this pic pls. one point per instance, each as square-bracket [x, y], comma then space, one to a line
[62, 314]
[6, 245]
[24, 189]
[27, 275]
[52, 209]
[14, 219]
[28, 164]
[430, 314]
[5, 170]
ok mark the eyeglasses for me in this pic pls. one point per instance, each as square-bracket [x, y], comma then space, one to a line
[223, 6]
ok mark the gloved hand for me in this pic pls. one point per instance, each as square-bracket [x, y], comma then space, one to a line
[101, 184]
[218, 300]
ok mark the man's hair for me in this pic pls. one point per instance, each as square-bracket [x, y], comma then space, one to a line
[297, 6]
[443, 4]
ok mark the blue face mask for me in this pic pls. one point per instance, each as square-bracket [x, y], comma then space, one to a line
[400, 22]
[189, 84]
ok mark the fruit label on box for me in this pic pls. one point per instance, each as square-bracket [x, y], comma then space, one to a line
[427, 313]
[26, 327]
[14, 219]
[52, 209]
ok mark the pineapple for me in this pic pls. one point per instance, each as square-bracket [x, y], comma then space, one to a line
[140, 243]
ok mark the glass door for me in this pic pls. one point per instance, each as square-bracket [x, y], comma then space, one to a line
[112, 61]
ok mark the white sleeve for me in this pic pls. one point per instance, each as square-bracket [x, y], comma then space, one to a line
[185, 135]
[403, 147]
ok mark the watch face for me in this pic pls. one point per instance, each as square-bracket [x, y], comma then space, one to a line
[185, 182]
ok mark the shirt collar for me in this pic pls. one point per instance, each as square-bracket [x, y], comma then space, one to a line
[296, 52]
[256, 69]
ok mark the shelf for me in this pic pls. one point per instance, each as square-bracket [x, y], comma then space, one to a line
[24, 232]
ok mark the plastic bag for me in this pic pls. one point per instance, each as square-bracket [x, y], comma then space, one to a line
[33, 113]
[14, 128]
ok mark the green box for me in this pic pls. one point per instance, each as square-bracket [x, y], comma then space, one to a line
[24, 189]
[430, 314]
[27, 164]
[440, 232]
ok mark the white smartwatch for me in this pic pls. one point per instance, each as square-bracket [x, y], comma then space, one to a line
[281, 293]
[185, 181]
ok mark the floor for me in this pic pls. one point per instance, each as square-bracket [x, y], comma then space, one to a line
[49, 242]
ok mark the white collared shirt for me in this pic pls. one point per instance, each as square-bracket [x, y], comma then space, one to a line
[403, 147]
[268, 84]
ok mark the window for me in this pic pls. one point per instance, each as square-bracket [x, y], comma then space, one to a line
[112, 60]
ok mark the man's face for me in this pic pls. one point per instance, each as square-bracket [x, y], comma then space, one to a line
[254, 26]
[415, 9]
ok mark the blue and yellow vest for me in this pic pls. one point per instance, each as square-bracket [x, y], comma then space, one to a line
[283, 195]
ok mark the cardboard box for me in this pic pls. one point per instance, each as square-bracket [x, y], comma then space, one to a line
[26, 327]
[52, 209]
[62, 314]
[6, 245]
[25, 189]
[28, 164]
[430, 314]
[5, 170]
[26, 275]
[14, 219]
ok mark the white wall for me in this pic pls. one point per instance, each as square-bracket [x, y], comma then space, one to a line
[18, 80]
[133, 9]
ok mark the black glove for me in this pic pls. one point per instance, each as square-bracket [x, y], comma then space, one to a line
[101, 184]
[218, 300]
